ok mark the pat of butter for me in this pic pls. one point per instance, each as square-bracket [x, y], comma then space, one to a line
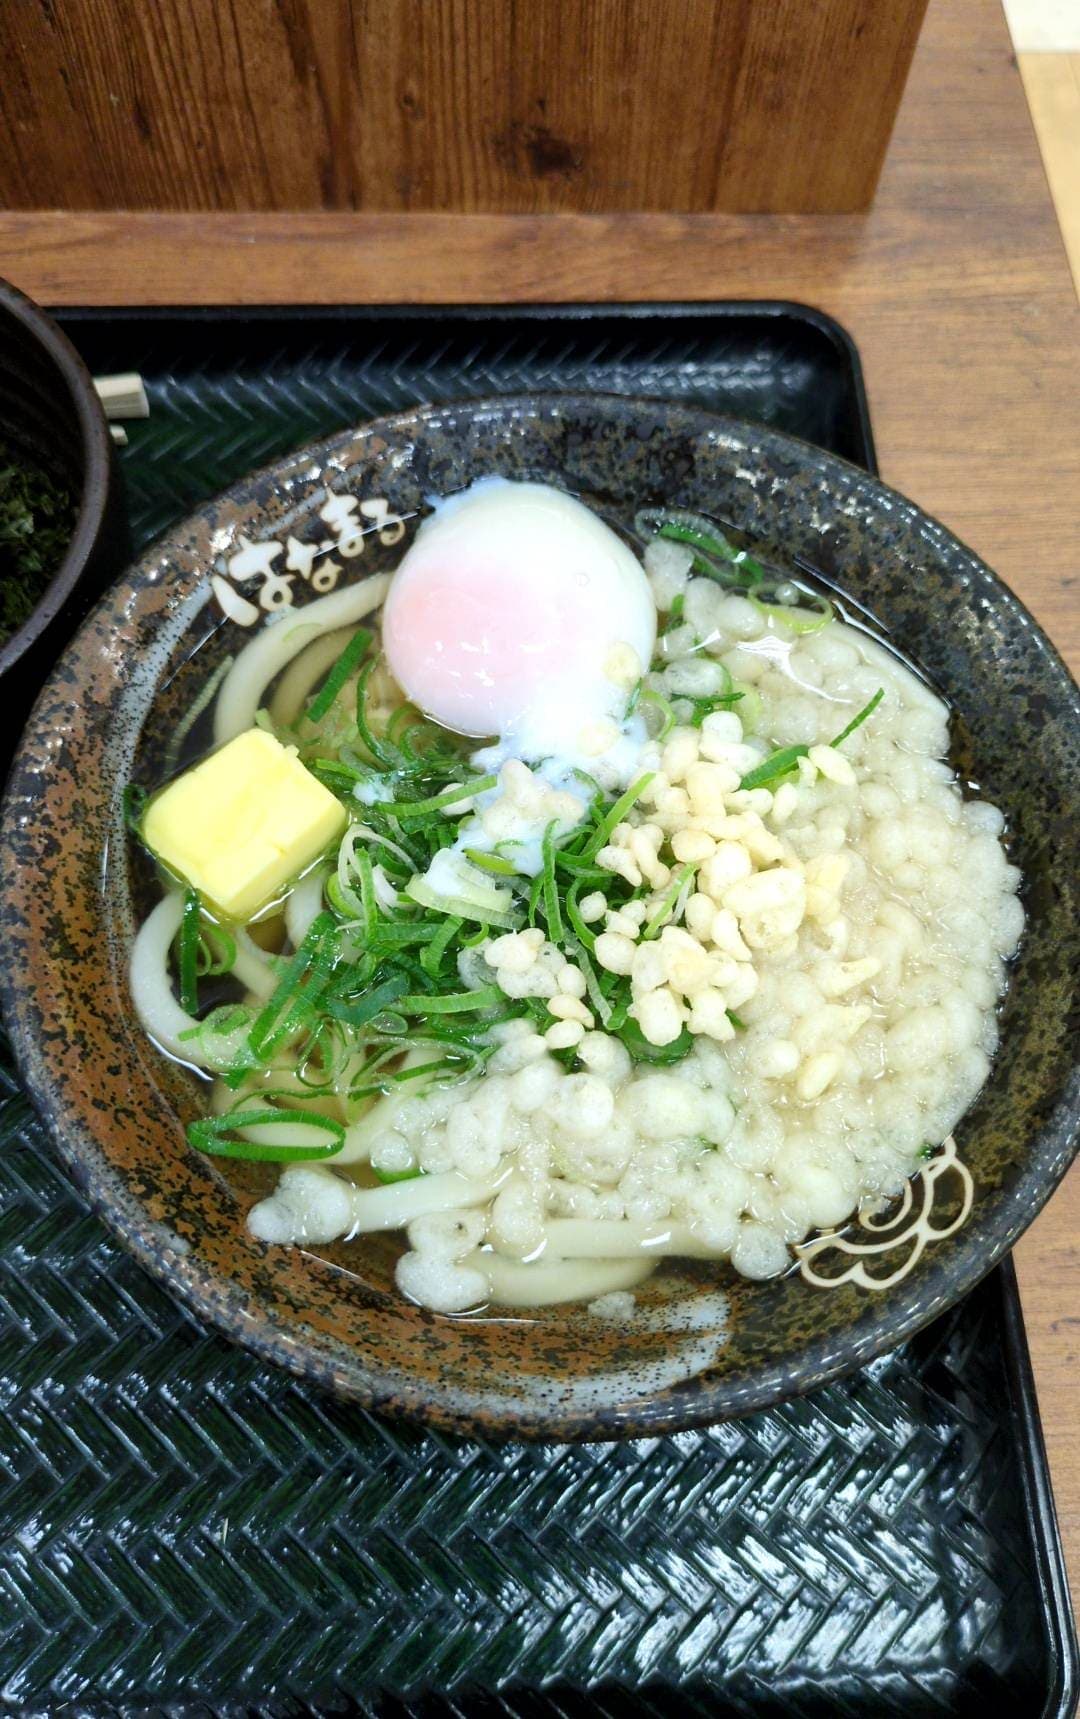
[244, 823]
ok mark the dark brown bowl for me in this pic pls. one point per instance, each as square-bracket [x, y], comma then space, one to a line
[115, 1106]
[48, 405]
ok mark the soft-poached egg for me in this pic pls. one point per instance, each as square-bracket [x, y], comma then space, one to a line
[517, 613]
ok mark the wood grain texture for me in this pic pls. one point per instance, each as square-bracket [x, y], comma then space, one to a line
[508, 105]
[1052, 86]
[955, 287]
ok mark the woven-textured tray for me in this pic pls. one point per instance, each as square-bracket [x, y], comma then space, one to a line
[183, 1531]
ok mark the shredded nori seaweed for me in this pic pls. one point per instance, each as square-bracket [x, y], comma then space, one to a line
[37, 519]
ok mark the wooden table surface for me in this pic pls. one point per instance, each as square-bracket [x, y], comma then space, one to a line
[955, 287]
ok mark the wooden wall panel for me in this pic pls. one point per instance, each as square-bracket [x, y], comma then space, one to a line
[479, 105]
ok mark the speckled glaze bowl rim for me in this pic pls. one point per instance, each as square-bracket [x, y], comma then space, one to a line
[97, 477]
[217, 1301]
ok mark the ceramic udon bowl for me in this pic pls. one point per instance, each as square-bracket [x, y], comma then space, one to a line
[49, 409]
[73, 890]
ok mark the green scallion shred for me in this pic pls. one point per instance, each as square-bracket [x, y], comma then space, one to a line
[266, 1028]
[783, 762]
[857, 721]
[642, 1050]
[583, 869]
[552, 911]
[615, 815]
[365, 876]
[405, 719]
[796, 618]
[717, 558]
[383, 754]
[475, 938]
[216, 953]
[219, 1135]
[354, 652]
[364, 1009]
[667, 906]
[228, 1018]
[416, 808]
[700, 708]
[487, 997]
[497, 864]
[584, 935]
[593, 988]
[389, 1177]
[656, 701]
[188, 960]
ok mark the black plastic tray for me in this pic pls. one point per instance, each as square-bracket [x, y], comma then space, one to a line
[183, 1530]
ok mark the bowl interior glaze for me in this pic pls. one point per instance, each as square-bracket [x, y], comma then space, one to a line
[72, 893]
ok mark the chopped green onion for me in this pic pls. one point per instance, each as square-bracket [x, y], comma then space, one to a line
[383, 754]
[225, 1019]
[643, 1051]
[399, 855]
[770, 769]
[462, 791]
[486, 910]
[667, 906]
[679, 526]
[736, 1020]
[326, 1053]
[703, 707]
[218, 1135]
[497, 864]
[190, 924]
[354, 859]
[573, 912]
[340, 778]
[592, 986]
[390, 935]
[796, 619]
[455, 1003]
[857, 721]
[340, 671]
[475, 938]
[582, 869]
[656, 701]
[552, 914]
[209, 964]
[389, 1177]
[783, 762]
[390, 1025]
[359, 1013]
[615, 815]
[266, 1026]
[723, 699]
[405, 719]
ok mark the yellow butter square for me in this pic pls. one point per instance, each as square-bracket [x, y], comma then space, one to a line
[243, 824]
